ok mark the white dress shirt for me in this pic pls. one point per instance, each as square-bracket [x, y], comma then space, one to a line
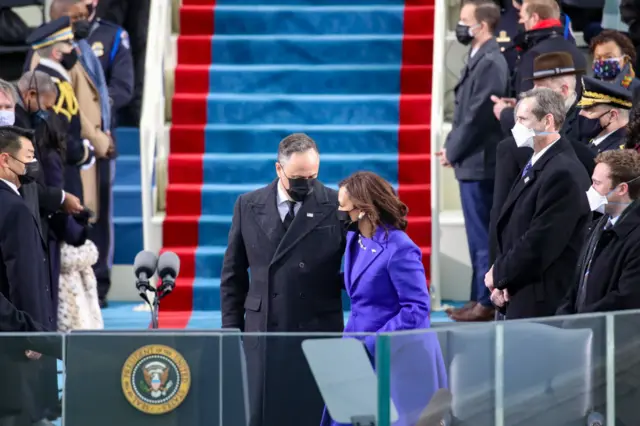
[283, 205]
[12, 186]
[536, 156]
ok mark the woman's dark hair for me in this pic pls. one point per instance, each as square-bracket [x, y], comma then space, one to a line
[624, 43]
[376, 197]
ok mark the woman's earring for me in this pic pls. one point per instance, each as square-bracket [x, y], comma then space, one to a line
[361, 215]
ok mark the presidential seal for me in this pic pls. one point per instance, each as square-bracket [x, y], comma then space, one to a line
[156, 379]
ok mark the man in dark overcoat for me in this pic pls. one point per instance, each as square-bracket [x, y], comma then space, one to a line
[24, 283]
[541, 227]
[289, 236]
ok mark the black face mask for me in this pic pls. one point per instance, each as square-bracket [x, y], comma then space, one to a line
[462, 34]
[345, 220]
[81, 29]
[31, 172]
[69, 59]
[299, 188]
[589, 129]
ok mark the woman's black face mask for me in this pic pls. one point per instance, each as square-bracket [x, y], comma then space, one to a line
[345, 220]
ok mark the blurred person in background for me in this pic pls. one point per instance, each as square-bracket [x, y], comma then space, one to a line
[385, 280]
[53, 43]
[111, 45]
[7, 104]
[24, 282]
[470, 146]
[542, 223]
[611, 51]
[544, 33]
[609, 264]
[630, 15]
[610, 103]
[132, 16]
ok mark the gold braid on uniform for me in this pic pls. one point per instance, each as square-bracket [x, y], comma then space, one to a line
[67, 103]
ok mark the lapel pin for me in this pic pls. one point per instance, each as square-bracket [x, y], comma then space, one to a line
[309, 214]
[373, 250]
[526, 180]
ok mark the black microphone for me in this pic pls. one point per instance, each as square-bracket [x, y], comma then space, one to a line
[144, 266]
[168, 270]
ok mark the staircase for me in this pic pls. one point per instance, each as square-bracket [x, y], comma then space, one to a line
[127, 204]
[353, 74]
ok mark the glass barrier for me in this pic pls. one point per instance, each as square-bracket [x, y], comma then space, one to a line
[574, 370]
[578, 370]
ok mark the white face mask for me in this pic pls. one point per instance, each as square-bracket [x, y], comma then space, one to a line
[522, 135]
[7, 118]
[597, 201]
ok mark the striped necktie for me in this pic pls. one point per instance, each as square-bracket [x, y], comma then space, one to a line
[526, 169]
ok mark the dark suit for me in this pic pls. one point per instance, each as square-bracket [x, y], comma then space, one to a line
[295, 285]
[616, 140]
[471, 146]
[24, 281]
[540, 232]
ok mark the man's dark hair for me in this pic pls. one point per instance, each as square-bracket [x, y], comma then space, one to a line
[296, 142]
[10, 139]
[625, 166]
[486, 11]
[624, 43]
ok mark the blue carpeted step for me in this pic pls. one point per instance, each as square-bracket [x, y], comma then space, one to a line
[286, 19]
[306, 79]
[302, 109]
[206, 293]
[306, 50]
[330, 139]
[127, 170]
[231, 168]
[128, 141]
[209, 261]
[305, 2]
[127, 200]
[213, 230]
[128, 239]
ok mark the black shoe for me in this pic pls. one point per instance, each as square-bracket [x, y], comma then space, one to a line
[103, 303]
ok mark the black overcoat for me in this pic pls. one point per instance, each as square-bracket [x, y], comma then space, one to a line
[294, 285]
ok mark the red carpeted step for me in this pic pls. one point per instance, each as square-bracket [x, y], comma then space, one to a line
[173, 319]
[414, 168]
[180, 231]
[417, 198]
[419, 230]
[187, 139]
[189, 108]
[426, 262]
[184, 200]
[186, 168]
[213, 2]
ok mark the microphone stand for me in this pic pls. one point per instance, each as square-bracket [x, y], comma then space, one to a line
[163, 289]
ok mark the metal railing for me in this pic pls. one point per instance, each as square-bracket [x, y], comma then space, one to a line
[437, 121]
[152, 122]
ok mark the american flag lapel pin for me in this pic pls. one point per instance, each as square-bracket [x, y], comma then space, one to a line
[526, 180]
[309, 214]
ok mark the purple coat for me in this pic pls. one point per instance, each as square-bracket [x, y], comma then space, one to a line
[388, 290]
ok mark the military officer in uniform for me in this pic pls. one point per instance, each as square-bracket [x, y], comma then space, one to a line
[610, 103]
[110, 43]
[507, 29]
[54, 44]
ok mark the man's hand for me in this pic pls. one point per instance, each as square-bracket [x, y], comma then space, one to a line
[500, 104]
[33, 355]
[72, 204]
[488, 279]
[443, 158]
[497, 298]
[111, 151]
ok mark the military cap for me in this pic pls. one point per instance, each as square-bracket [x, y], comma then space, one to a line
[53, 32]
[596, 92]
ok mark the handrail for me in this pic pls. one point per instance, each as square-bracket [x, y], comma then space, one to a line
[153, 114]
[437, 120]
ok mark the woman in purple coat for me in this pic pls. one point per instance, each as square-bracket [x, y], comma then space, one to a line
[385, 279]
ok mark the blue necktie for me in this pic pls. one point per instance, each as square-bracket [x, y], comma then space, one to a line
[526, 169]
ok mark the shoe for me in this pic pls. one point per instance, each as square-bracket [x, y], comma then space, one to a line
[478, 313]
[465, 307]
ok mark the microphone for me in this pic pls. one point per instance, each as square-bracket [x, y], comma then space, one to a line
[144, 267]
[168, 270]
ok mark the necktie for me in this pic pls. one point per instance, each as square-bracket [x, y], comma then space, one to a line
[526, 169]
[609, 225]
[290, 214]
